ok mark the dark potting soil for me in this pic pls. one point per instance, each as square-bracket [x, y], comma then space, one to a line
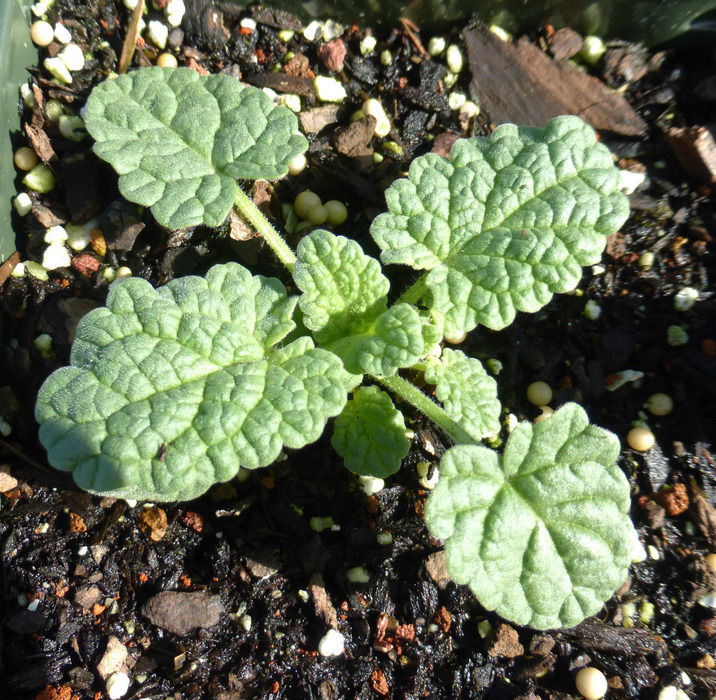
[228, 596]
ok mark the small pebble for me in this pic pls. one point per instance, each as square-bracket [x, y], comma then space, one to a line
[592, 310]
[117, 685]
[329, 89]
[547, 411]
[56, 234]
[73, 57]
[157, 33]
[676, 336]
[591, 683]
[370, 485]
[436, 45]
[167, 60]
[337, 212]
[36, 270]
[25, 158]
[500, 33]
[685, 298]
[454, 58]
[304, 202]
[374, 108]
[54, 109]
[469, 109]
[646, 261]
[331, 644]
[42, 33]
[72, 127]
[293, 102]
[56, 256]
[319, 524]
[640, 439]
[630, 181]
[297, 165]
[660, 404]
[314, 31]
[39, 9]
[358, 575]
[28, 98]
[62, 34]
[456, 338]
[56, 67]
[539, 393]
[174, 12]
[456, 100]
[592, 49]
[367, 45]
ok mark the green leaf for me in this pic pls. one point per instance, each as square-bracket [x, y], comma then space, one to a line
[541, 535]
[345, 301]
[506, 222]
[178, 140]
[370, 434]
[467, 393]
[171, 390]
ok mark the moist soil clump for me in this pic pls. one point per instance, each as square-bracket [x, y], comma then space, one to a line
[228, 596]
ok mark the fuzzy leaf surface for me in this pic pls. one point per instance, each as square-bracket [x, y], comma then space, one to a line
[541, 535]
[506, 222]
[171, 390]
[370, 434]
[178, 140]
[468, 394]
[345, 301]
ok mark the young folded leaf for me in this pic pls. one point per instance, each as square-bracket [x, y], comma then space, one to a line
[172, 390]
[467, 393]
[541, 534]
[370, 434]
[505, 222]
[178, 139]
[345, 301]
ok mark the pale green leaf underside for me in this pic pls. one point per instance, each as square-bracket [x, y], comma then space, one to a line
[467, 393]
[345, 301]
[178, 140]
[506, 222]
[171, 390]
[370, 434]
[541, 535]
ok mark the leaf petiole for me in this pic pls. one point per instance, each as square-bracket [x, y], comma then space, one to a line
[252, 214]
[414, 293]
[428, 408]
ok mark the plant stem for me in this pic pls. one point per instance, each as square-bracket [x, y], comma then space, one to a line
[262, 225]
[437, 415]
[413, 293]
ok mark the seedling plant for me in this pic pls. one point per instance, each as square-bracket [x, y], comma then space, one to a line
[172, 390]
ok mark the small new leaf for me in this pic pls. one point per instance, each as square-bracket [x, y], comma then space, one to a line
[345, 301]
[541, 535]
[178, 140]
[506, 222]
[172, 390]
[467, 393]
[370, 434]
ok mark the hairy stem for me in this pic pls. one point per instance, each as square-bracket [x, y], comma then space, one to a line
[413, 293]
[435, 413]
[251, 213]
